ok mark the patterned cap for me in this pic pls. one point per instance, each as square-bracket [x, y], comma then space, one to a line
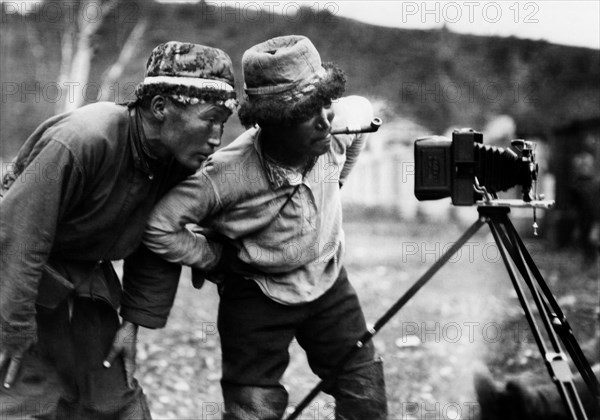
[288, 67]
[200, 68]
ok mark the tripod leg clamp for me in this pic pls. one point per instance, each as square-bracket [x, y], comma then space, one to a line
[559, 366]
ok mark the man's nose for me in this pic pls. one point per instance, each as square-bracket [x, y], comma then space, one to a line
[325, 118]
[214, 139]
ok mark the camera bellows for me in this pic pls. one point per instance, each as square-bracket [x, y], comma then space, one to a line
[500, 169]
[451, 168]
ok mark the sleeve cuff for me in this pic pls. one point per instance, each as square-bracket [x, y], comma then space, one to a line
[143, 319]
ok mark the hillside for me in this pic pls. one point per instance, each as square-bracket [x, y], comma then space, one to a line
[436, 78]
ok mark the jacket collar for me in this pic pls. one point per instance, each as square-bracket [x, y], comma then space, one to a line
[142, 160]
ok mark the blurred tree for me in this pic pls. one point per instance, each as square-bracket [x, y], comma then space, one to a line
[113, 74]
[78, 50]
[82, 27]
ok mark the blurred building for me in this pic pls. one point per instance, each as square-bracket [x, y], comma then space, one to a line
[576, 166]
[383, 177]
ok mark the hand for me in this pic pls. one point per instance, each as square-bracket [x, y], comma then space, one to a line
[12, 357]
[14, 363]
[124, 344]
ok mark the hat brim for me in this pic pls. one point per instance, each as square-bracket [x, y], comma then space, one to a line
[226, 98]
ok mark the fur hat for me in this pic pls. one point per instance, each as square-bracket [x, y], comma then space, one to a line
[285, 81]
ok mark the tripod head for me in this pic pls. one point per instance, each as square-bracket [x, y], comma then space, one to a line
[490, 202]
[513, 203]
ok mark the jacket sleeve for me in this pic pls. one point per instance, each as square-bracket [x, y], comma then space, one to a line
[357, 109]
[173, 228]
[29, 214]
[149, 288]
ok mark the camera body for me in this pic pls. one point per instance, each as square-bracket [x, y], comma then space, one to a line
[465, 169]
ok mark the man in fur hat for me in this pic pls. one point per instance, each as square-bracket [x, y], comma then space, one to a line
[81, 190]
[273, 197]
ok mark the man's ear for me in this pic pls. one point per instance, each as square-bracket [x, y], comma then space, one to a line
[157, 107]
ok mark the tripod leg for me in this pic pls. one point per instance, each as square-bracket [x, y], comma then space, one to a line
[559, 320]
[367, 336]
[556, 363]
[521, 257]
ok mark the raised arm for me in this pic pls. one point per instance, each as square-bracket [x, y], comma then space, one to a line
[359, 111]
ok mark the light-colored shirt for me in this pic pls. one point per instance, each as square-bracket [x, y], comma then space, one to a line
[295, 250]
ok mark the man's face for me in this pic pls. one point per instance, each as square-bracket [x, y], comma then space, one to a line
[310, 138]
[192, 132]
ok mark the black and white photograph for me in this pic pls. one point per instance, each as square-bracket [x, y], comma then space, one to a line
[312, 210]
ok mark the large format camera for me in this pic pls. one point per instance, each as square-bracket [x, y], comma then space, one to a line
[467, 170]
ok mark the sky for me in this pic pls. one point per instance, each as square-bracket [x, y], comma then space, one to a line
[574, 23]
[565, 22]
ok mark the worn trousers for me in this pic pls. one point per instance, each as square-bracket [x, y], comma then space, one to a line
[255, 336]
[64, 377]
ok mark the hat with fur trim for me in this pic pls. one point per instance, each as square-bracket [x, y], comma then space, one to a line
[285, 73]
